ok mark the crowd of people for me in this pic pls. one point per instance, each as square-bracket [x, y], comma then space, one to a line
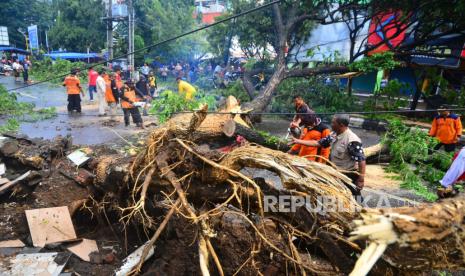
[17, 67]
[219, 73]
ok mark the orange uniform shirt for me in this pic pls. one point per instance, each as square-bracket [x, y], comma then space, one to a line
[131, 95]
[72, 85]
[316, 133]
[108, 93]
[446, 129]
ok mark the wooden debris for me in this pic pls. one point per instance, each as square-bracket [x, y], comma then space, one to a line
[83, 249]
[50, 225]
[11, 243]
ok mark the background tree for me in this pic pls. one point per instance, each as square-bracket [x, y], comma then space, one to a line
[23, 13]
[158, 20]
[78, 25]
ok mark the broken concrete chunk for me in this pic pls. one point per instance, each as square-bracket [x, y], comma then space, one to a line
[35, 264]
[83, 249]
[78, 157]
[49, 225]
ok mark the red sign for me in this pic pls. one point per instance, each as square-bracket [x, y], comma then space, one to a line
[387, 27]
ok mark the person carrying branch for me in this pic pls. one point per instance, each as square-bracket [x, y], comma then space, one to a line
[127, 99]
[73, 89]
[185, 89]
[346, 151]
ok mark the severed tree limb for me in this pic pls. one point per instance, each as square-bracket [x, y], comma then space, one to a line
[155, 237]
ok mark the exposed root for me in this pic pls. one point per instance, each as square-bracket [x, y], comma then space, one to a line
[154, 238]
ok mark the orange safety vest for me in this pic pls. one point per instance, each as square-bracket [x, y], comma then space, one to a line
[108, 93]
[131, 95]
[446, 129]
[318, 132]
[72, 85]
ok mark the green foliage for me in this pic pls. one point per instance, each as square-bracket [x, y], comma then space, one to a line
[318, 95]
[10, 125]
[380, 61]
[170, 102]
[271, 139]
[18, 111]
[237, 90]
[158, 20]
[46, 69]
[413, 158]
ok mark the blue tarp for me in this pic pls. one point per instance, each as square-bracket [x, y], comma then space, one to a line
[14, 50]
[72, 56]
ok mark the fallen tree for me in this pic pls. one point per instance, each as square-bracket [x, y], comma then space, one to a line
[203, 204]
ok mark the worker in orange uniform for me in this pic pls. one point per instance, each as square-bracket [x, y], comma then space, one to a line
[314, 130]
[74, 89]
[128, 98]
[447, 128]
[111, 93]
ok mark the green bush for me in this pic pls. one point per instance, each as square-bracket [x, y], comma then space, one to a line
[237, 90]
[46, 69]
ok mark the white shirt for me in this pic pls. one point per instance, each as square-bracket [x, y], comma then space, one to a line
[457, 168]
[101, 85]
[16, 65]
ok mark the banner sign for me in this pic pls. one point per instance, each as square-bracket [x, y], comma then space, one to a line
[4, 40]
[33, 37]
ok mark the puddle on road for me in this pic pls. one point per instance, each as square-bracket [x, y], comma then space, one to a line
[86, 129]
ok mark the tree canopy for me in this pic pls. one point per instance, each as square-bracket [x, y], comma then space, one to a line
[158, 20]
[78, 25]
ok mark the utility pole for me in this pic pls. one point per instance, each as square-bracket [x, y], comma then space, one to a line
[131, 38]
[110, 30]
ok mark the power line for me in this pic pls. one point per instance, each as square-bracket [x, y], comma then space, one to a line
[162, 42]
[294, 113]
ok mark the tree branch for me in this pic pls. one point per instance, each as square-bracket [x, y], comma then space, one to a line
[306, 72]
